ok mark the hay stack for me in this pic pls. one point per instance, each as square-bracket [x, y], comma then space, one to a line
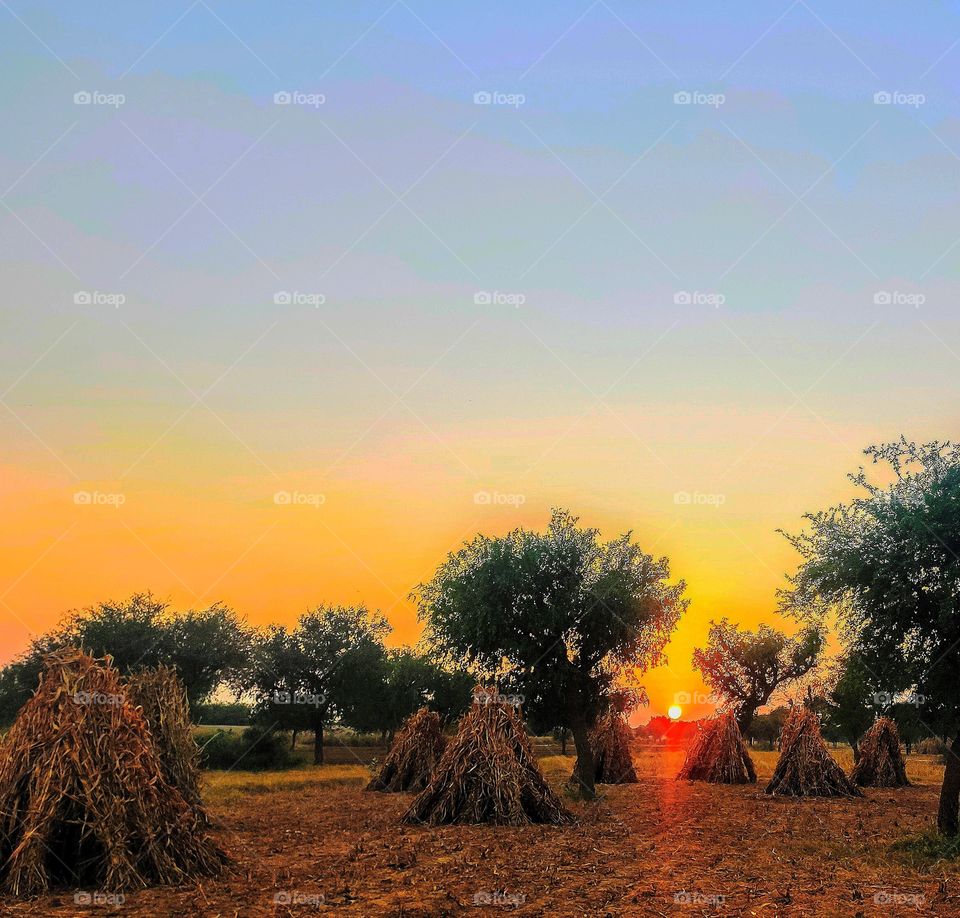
[610, 742]
[83, 800]
[805, 768]
[162, 700]
[488, 774]
[416, 749]
[718, 754]
[881, 762]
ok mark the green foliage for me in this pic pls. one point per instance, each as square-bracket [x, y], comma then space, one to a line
[227, 715]
[765, 728]
[559, 614]
[888, 564]
[852, 703]
[208, 647]
[744, 668]
[928, 849]
[255, 749]
[331, 666]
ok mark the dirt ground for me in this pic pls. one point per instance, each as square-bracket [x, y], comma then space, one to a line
[660, 847]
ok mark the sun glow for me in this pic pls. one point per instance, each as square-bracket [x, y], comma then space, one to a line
[674, 712]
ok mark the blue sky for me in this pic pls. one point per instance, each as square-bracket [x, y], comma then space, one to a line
[824, 222]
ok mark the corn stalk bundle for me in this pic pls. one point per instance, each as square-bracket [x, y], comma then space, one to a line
[488, 774]
[83, 800]
[881, 762]
[805, 767]
[610, 742]
[162, 700]
[718, 754]
[416, 749]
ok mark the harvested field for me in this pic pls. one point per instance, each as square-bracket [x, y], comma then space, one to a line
[642, 845]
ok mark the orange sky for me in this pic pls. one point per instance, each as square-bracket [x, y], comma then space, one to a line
[200, 530]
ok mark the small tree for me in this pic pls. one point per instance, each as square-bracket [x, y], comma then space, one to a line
[559, 611]
[888, 564]
[766, 728]
[851, 703]
[744, 668]
[330, 666]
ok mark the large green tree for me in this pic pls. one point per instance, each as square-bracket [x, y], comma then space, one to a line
[744, 668]
[559, 611]
[208, 647]
[887, 564]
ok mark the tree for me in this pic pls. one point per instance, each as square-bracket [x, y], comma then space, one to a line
[329, 667]
[559, 611]
[888, 564]
[744, 668]
[850, 705]
[766, 727]
[412, 680]
[208, 647]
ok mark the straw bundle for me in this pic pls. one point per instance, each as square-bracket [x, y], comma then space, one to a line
[162, 700]
[718, 754]
[488, 774]
[610, 742]
[83, 800]
[416, 749]
[881, 762]
[805, 768]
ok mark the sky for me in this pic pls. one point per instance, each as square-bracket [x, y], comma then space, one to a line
[295, 298]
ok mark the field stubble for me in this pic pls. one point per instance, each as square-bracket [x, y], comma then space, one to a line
[314, 840]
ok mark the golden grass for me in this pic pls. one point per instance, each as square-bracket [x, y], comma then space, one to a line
[220, 787]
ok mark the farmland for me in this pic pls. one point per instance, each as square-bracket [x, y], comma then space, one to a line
[314, 838]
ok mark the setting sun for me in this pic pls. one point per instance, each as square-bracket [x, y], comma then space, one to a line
[674, 711]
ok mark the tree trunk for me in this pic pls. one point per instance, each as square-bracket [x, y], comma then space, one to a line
[583, 775]
[856, 751]
[293, 739]
[318, 744]
[563, 741]
[383, 737]
[948, 819]
[745, 718]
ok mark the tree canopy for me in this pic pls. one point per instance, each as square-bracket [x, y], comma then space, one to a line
[887, 564]
[744, 668]
[560, 612]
